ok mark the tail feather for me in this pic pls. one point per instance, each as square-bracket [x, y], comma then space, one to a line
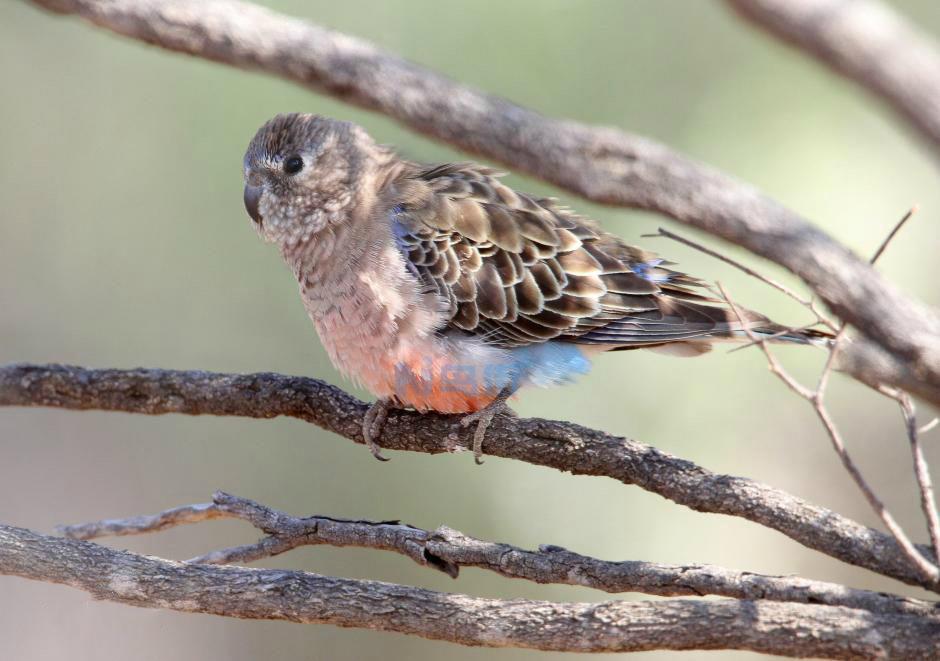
[779, 333]
[685, 327]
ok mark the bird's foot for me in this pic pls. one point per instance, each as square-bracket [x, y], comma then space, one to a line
[483, 418]
[373, 422]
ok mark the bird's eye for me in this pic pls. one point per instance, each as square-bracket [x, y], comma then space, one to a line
[293, 165]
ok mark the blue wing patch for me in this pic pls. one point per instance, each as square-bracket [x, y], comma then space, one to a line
[648, 271]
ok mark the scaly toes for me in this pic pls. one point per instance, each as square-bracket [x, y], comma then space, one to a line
[483, 418]
[372, 425]
[479, 435]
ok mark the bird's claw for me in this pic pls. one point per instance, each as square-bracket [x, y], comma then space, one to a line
[372, 424]
[483, 418]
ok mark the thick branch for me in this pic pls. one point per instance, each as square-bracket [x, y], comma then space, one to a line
[601, 164]
[865, 41]
[772, 627]
[447, 550]
[560, 445]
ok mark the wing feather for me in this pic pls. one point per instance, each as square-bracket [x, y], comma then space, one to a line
[517, 270]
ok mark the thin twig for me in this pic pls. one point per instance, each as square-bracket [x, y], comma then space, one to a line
[908, 411]
[922, 473]
[773, 363]
[145, 523]
[816, 398]
[809, 303]
[927, 500]
[893, 233]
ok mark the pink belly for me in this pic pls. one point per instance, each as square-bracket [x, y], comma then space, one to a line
[432, 384]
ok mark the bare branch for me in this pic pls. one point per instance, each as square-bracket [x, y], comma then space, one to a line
[140, 524]
[448, 550]
[600, 164]
[927, 568]
[892, 234]
[928, 502]
[773, 627]
[865, 41]
[775, 367]
[921, 470]
[561, 445]
[816, 398]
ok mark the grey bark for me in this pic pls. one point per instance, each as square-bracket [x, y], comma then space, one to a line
[447, 550]
[601, 164]
[561, 445]
[798, 630]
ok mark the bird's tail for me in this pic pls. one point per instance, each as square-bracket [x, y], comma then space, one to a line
[777, 333]
[687, 328]
[741, 325]
[691, 327]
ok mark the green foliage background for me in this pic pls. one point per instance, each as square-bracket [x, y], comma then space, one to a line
[123, 242]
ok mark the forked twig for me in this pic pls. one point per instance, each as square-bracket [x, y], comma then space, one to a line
[927, 500]
[816, 397]
[908, 411]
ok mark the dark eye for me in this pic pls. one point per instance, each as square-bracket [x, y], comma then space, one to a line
[293, 165]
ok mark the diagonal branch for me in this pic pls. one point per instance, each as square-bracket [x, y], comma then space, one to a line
[865, 41]
[774, 627]
[600, 164]
[448, 550]
[561, 445]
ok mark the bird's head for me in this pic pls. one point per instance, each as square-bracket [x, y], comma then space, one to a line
[304, 173]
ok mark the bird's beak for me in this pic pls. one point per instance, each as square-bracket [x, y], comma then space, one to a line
[252, 197]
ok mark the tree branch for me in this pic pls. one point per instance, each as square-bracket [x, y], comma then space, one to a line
[773, 627]
[448, 550]
[865, 41]
[600, 164]
[561, 445]
[816, 397]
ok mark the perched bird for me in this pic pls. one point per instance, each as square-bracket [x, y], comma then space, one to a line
[439, 288]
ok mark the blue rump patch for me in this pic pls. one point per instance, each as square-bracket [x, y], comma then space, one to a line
[546, 364]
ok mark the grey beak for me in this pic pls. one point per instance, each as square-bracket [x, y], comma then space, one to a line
[252, 197]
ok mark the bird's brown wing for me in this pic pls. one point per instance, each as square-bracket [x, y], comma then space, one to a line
[518, 270]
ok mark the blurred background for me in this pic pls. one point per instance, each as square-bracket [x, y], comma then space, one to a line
[124, 243]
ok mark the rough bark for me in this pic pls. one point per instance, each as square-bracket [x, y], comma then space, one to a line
[798, 630]
[447, 550]
[561, 445]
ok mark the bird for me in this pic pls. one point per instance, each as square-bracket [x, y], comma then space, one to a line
[439, 288]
